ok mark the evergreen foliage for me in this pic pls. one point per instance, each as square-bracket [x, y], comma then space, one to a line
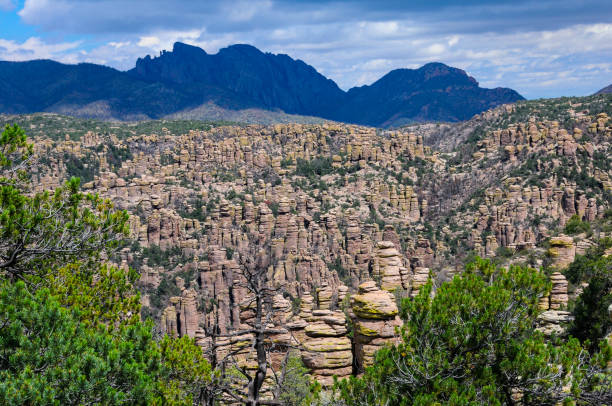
[297, 389]
[475, 342]
[70, 327]
[575, 226]
[592, 320]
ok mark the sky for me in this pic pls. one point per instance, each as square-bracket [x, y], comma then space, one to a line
[540, 48]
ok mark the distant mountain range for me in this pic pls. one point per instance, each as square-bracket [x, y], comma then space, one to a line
[190, 83]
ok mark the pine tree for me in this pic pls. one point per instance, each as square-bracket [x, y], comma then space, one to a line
[70, 330]
[475, 342]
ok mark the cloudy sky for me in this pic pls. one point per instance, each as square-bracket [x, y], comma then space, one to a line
[542, 48]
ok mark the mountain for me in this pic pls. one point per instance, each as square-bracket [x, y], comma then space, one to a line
[605, 90]
[189, 83]
[433, 92]
[97, 91]
[267, 80]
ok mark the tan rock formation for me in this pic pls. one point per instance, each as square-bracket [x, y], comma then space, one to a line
[388, 266]
[558, 294]
[562, 250]
[375, 320]
[386, 206]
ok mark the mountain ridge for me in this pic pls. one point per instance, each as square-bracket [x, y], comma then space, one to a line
[240, 77]
[272, 81]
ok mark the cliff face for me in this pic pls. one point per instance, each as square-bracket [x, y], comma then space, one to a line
[345, 219]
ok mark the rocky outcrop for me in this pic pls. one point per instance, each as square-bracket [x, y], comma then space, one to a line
[420, 278]
[562, 250]
[558, 294]
[554, 322]
[327, 350]
[375, 318]
[555, 318]
[388, 267]
[181, 318]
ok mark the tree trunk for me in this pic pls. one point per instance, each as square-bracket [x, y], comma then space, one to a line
[262, 361]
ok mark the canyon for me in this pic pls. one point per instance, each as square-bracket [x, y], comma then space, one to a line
[346, 220]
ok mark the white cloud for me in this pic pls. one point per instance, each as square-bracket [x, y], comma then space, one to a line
[119, 44]
[37, 11]
[35, 48]
[148, 42]
[375, 64]
[7, 5]
[436, 49]
[379, 28]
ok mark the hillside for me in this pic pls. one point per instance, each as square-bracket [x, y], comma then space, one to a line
[344, 218]
[240, 83]
[86, 90]
[605, 90]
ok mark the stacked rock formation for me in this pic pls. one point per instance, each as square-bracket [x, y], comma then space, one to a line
[326, 347]
[558, 294]
[562, 250]
[420, 278]
[375, 318]
[388, 267]
[555, 318]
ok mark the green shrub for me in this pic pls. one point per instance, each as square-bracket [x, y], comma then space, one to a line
[504, 252]
[576, 226]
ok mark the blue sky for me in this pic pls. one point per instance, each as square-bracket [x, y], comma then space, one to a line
[540, 48]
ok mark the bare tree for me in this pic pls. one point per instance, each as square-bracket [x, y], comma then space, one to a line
[214, 390]
[231, 378]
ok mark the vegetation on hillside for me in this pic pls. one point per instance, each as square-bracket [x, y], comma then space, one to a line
[57, 127]
[73, 331]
